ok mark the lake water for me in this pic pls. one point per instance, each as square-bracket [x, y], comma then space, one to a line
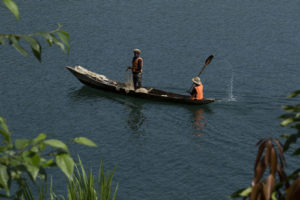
[161, 150]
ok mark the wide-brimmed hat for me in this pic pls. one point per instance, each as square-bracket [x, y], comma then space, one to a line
[196, 80]
[137, 51]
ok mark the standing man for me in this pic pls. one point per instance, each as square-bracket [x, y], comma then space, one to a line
[137, 65]
[197, 92]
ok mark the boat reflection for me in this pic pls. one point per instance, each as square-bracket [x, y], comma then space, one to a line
[135, 119]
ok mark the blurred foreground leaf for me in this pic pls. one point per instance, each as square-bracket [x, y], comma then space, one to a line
[66, 164]
[84, 141]
[56, 144]
[241, 193]
[12, 7]
[294, 94]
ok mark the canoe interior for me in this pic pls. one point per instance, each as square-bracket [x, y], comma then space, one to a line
[95, 80]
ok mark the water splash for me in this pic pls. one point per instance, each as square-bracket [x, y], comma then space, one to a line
[230, 97]
[230, 93]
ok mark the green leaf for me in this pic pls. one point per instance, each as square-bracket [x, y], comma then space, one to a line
[289, 108]
[294, 94]
[56, 144]
[64, 37]
[39, 138]
[32, 164]
[66, 164]
[47, 37]
[17, 46]
[31, 157]
[4, 131]
[287, 121]
[42, 147]
[4, 178]
[115, 193]
[33, 170]
[25, 154]
[32, 41]
[241, 193]
[35, 160]
[35, 46]
[286, 116]
[12, 7]
[34, 149]
[58, 43]
[84, 141]
[21, 143]
[47, 163]
[274, 194]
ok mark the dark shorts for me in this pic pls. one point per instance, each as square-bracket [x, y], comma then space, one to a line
[137, 80]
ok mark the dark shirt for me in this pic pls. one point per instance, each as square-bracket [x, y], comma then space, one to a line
[139, 62]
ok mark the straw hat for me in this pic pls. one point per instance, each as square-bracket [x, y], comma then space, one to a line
[196, 80]
[137, 51]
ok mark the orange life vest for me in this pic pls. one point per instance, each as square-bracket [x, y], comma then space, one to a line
[199, 93]
[135, 65]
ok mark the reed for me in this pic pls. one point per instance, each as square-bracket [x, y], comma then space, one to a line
[83, 185]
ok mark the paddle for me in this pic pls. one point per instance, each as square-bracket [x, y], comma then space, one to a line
[207, 61]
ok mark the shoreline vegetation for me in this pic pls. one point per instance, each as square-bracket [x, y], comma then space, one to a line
[23, 162]
[270, 162]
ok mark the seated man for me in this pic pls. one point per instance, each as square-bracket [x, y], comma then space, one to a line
[197, 92]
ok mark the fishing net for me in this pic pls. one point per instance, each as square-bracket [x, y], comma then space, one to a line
[96, 76]
[129, 81]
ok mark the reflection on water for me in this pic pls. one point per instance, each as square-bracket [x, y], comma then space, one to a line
[136, 118]
[85, 93]
[198, 121]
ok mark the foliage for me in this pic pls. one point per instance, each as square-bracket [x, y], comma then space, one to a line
[26, 159]
[27, 193]
[57, 37]
[291, 119]
[81, 187]
[288, 187]
[12, 7]
[23, 158]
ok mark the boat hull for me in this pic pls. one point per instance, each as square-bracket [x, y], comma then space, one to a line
[119, 87]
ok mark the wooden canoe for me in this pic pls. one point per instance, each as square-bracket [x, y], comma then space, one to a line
[101, 82]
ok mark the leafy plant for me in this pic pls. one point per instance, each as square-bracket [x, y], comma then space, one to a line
[29, 158]
[267, 158]
[55, 37]
[288, 187]
[292, 120]
[26, 159]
